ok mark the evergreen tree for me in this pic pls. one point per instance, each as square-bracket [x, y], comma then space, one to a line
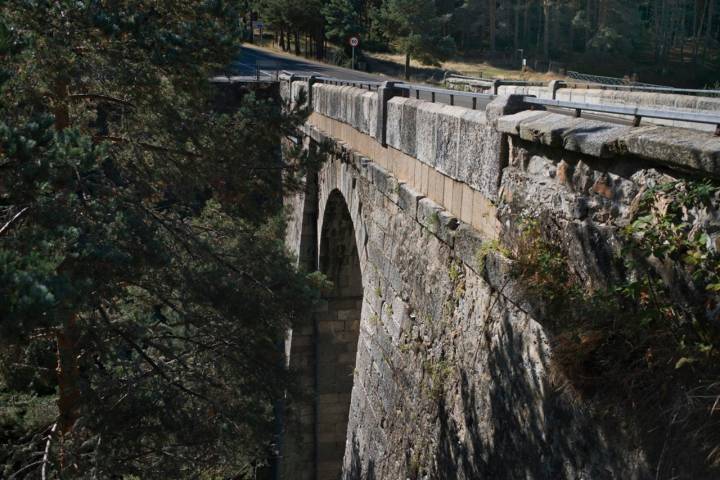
[415, 29]
[343, 20]
[141, 252]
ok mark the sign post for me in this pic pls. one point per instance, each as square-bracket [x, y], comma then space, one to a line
[260, 26]
[354, 42]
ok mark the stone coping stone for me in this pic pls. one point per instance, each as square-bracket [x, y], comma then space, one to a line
[678, 147]
[354, 106]
[591, 137]
[458, 142]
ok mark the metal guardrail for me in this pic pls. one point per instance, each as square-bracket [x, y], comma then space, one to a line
[408, 88]
[636, 112]
[350, 83]
[603, 80]
[369, 84]
[642, 88]
[586, 84]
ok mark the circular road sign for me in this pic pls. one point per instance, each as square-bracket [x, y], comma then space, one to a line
[354, 41]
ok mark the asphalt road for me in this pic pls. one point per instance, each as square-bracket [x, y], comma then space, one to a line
[253, 60]
[268, 63]
[271, 62]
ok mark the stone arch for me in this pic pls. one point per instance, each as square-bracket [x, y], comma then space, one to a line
[338, 328]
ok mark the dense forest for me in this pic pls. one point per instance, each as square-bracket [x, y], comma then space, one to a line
[655, 38]
[144, 282]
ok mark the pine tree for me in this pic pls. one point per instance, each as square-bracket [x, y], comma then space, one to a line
[141, 247]
[343, 20]
[415, 30]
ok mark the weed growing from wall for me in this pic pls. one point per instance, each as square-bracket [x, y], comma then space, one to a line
[651, 342]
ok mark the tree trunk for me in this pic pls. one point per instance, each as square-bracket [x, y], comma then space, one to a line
[547, 26]
[68, 374]
[708, 29]
[516, 31]
[60, 104]
[68, 379]
[407, 66]
[492, 21]
[526, 23]
[711, 14]
[700, 25]
[297, 43]
[603, 11]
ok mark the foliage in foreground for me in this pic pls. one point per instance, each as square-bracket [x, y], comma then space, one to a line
[144, 284]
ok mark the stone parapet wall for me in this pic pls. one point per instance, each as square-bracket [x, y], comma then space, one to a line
[657, 101]
[606, 96]
[351, 105]
[457, 142]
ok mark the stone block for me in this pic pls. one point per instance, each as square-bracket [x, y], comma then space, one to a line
[428, 214]
[510, 124]
[468, 242]
[686, 149]
[380, 178]
[484, 216]
[466, 206]
[393, 188]
[424, 178]
[416, 180]
[547, 129]
[426, 131]
[447, 192]
[498, 272]
[502, 106]
[447, 137]
[592, 137]
[436, 185]
[408, 128]
[448, 224]
[479, 154]
[408, 199]
[395, 122]
[457, 195]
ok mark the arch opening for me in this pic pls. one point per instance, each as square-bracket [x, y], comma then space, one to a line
[338, 328]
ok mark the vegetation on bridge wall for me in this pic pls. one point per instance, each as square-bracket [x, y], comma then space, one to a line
[645, 346]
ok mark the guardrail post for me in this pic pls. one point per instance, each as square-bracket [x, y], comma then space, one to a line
[554, 86]
[496, 86]
[386, 91]
[310, 82]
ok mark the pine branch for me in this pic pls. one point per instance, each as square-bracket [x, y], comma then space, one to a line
[106, 318]
[97, 96]
[13, 220]
[46, 455]
[147, 146]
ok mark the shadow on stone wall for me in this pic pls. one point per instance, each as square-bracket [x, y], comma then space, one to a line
[356, 470]
[551, 437]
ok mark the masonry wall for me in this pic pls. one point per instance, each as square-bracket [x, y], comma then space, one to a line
[453, 373]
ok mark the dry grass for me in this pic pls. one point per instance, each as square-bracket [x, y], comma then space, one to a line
[393, 64]
[470, 67]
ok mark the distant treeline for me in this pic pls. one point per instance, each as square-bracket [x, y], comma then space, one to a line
[659, 33]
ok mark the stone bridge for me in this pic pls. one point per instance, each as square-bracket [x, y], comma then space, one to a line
[427, 359]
